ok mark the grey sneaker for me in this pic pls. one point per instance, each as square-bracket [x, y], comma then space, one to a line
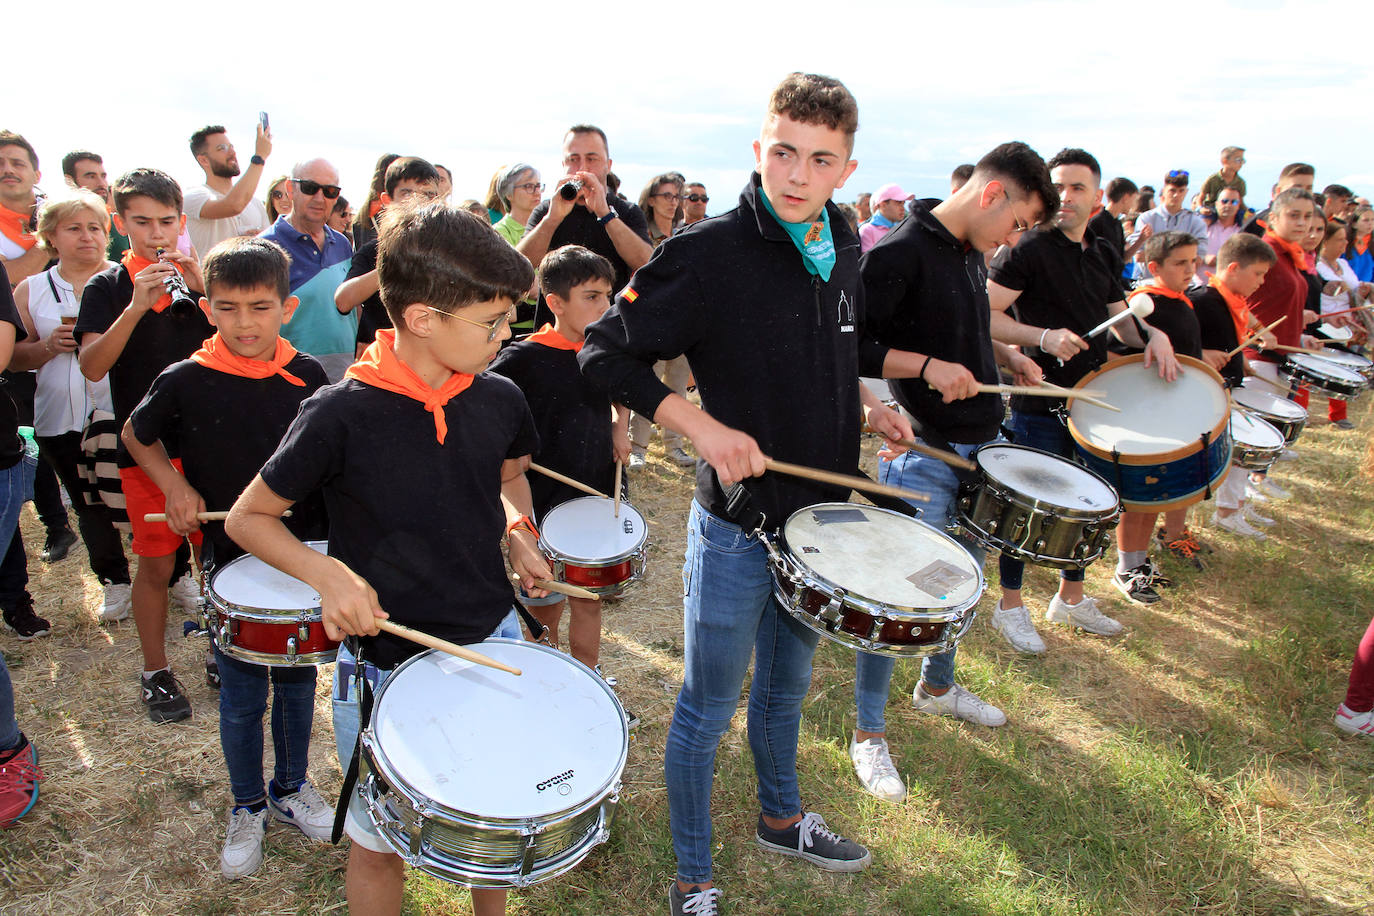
[873, 765]
[959, 703]
[304, 809]
[1084, 615]
[242, 855]
[698, 901]
[185, 594]
[637, 460]
[812, 840]
[679, 457]
[1015, 625]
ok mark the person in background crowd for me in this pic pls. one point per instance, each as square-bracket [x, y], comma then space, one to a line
[341, 218]
[661, 203]
[365, 220]
[495, 208]
[1170, 215]
[960, 176]
[278, 198]
[85, 169]
[1228, 176]
[1228, 207]
[1106, 222]
[1358, 254]
[20, 252]
[221, 208]
[889, 202]
[1146, 200]
[445, 182]
[1294, 175]
[864, 204]
[694, 203]
[851, 215]
[519, 191]
[1338, 201]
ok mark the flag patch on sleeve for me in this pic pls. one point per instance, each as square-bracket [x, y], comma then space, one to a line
[630, 295]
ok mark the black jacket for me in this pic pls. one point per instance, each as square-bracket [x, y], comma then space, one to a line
[776, 352]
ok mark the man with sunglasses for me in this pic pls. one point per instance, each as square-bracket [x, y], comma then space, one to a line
[320, 257]
[694, 203]
[222, 208]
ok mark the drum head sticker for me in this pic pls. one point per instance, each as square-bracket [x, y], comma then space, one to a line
[938, 579]
[831, 516]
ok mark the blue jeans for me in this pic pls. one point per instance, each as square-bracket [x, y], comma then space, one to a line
[1045, 432]
[16, 485]
[242, 703]
[16, 488]
[729, 615]
[873, 673]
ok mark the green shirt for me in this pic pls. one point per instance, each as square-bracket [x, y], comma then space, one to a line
[1216, 183]
[512, 230]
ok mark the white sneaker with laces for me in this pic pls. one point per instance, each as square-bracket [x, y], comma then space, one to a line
[873, 765]
[1015, 625]
[1084, 615]
[242, 855]
[304, 809]
[1252, 516]
[1271, 490]
[185, 594]
[119, 600]
[959, 703]
[1236, 524]
[1355, 723]
[637, 460]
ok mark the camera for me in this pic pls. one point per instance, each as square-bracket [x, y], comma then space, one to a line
[183, 303]
[570, 189]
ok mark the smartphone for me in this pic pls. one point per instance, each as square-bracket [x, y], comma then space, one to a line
[262, 120]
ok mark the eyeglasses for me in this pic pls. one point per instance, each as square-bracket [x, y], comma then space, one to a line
[1178, 173]
[1018, 225]
[533, 187]
[493, 327]
[311, 188]
[698, 198]
[222, 147]
[668, 195]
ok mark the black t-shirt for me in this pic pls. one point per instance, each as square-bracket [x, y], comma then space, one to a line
[1217, 330]
[157, 341]
[580, 227]
[571, 415]
[11, 446]
[1179, 320]
[372, 316]
[1111, 235]
[228, 427]
[420, 521]
[1062, 284]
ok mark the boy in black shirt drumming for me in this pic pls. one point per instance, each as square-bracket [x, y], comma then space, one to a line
[420, 456]
[577, 436]
[229, 406]
[130, 328]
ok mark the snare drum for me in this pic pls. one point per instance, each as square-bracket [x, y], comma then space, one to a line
[1331, 332]
[1288, 417]
[874, 580]
[1255, 443]
[1352, 361]
[588, 546]
[489, 779]
[262, 615]
[1169, 446]
[1321, 375]
[1037, 507]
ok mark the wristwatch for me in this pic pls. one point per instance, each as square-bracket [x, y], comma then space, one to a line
[257, 160]
[610, 215]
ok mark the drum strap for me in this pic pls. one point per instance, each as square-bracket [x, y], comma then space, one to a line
[363, 687]
[537, 629]
[889, 502]
[740, 508]
[1206, 439]
[1116, 466]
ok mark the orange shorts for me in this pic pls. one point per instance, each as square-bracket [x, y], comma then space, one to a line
[142, 496]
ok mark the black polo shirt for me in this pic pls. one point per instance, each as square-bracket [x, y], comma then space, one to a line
[1111, 235]
[1062, 284]
[1179, 320]
[372, 314]
[580, 227]
[1218, 330]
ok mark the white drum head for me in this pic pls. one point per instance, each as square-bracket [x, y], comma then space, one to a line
[485, 742]
[1335, 333]
[1322, 367]
[1046, 478]
[587, 529]
[1261, 399]
[1156, 416]
[1352, 361]
[1250, 430]
[883, 556]
[248, 582]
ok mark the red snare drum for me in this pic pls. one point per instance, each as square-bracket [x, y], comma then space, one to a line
[588, 546]
[262, 615]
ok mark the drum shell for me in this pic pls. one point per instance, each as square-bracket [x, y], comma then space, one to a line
[607, 577]
[475, 850]
[1331, 386]
[274, 637]
[1346, 359]
[1289, 427]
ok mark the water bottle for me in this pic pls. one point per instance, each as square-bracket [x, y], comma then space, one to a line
[30, 443]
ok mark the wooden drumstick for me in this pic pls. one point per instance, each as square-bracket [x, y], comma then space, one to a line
[443, 645]
[200, 516]
[1255, 336]
[562, 588]
[1045, 391]
[618, 469]
[950, 458]
[1085, 396]
[1358, 308]
[862, 484]
[563, 478]
[1289, 349]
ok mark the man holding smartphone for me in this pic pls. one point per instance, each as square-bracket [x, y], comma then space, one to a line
[223, 208]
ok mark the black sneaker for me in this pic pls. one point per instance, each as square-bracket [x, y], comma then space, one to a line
[812, 840]
[1135, 585]
[1156, 574]
[24, 622]
[164, 699]
[698, 901]
[212, 674]
[1343, 424]
[60, 540]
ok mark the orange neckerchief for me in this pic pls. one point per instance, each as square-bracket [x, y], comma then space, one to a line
[1362, 245]
[374, 208]
[215, 354]
[1292, 249]
[12, 226]
[134, 263]
[551, 338]
[1155, 289]
[1237, 305]
[380, 368]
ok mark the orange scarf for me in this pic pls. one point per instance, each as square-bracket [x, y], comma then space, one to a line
[134, 264]
[380, 368]
[1292, 249]
[1237, 305]
[551, 338]
[1362, 245]
[215, 354]
[1154, 289]
[14, 226]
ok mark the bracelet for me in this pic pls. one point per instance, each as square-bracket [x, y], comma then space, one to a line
[524, 522]
[922, 375]
[1041, 345]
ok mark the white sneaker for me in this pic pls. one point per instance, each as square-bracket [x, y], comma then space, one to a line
[1288, 454]
[1236, 524]
[1270, 489]
[242, 854]
[1252, 516]
[119, 600]
[1253, 494]
[637, 460]
[185, 594]
[679, 457]
[1015, 625]
[1083, 615]
[959, 703]
[1355, 723]
[873, 766]
[304, 809]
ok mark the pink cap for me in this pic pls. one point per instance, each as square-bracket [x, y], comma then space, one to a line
[890, 192]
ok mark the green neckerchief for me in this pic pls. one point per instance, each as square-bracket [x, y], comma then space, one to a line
[817, 248]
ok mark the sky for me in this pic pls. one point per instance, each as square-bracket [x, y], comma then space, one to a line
[1145, 87]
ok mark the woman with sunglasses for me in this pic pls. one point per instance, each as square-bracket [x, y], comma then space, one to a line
[278, 198]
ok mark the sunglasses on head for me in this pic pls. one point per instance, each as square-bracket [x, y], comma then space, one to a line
[698, 198]
[311, 188]
[1178, 173]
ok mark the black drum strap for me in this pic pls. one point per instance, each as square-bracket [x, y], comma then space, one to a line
[1206, 440]
[1116, 466]
[350, 782]
[883, 501]
[741, 510]
[537, 629]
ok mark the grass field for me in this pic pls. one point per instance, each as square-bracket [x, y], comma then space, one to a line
[1190, 765]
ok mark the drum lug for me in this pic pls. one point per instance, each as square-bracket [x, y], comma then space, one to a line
[233, 628]
[291, 647]
[303, 631]
[991, 526]
[531, 831]
[875, 629]
[831, 615]
[1039, 545]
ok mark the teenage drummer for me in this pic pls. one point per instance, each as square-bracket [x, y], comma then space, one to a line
[578, 437]
[420, 456]
[1054, 286]
[927, 299]
[227, 408]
